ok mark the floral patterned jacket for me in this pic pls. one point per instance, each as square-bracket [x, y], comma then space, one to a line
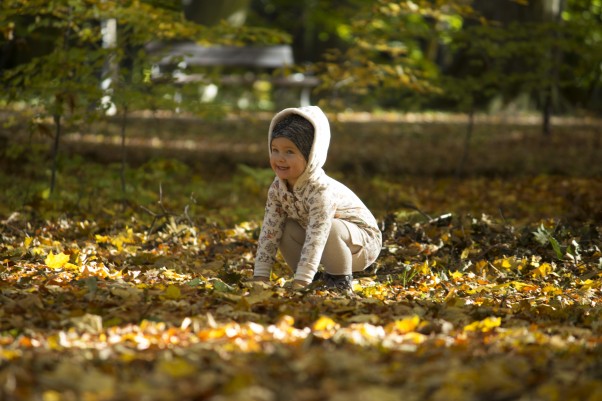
[314, 202]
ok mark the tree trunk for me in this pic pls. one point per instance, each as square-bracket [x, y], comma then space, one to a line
[466, 150]
[55, 150]
[547, 115]
[123, 152]
[551, 12]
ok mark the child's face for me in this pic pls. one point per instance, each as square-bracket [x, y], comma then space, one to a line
[286, 160]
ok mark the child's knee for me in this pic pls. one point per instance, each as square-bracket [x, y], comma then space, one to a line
[338, 232]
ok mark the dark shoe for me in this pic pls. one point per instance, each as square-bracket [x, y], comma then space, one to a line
[339, 282]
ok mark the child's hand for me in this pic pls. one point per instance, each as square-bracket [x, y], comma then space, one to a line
[298, 284]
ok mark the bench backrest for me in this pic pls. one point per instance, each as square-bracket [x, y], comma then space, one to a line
[276, 56]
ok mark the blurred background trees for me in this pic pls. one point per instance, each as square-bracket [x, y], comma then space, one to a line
[534, 55]
[88, 66]
[80, 60]
[457, 55]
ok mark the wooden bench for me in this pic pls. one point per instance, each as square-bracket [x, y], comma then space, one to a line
[244, 66]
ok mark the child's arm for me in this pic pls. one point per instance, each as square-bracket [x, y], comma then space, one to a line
[269, 238]
[321, 214]
[297, 284]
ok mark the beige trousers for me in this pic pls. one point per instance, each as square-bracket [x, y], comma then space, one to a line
[340, 255]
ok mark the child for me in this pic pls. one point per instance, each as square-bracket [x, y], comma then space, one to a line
[309, 216]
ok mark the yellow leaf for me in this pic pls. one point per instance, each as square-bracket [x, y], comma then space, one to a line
[8, 355]
[324, 323]
[53, 343]
[405, 325]
[127, 357]
[481, 265]
[118, 243]
[423, 268]
[587, 284]
[543, 270]
[71, 266]
[27, 242]
[245, 225]
[51, 395]
[56, 261]
[524, 287]
[415, 338]
[172, 292]
[457, 275]
[451, 296]
[177, 367]
[552, 290]
[484, 325]
[102, 239]
[37, 251]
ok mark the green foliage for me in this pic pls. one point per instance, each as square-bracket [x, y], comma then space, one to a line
[410, 54]
[543, 236]
[82, 75]
[517, 58]
[86, 187]
[62, 81]
[391, 47]
[70, 74]
[583, 19]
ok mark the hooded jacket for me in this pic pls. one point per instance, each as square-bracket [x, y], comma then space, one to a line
[315, 200]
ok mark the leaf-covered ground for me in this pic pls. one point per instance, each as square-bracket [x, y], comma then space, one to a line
[496, 295]
[488, 287]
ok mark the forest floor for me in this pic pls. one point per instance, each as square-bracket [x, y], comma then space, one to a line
[488, 287]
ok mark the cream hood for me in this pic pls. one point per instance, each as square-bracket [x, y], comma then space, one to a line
[319, 148]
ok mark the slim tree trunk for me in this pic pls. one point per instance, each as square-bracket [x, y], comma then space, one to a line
[547, 115]
[466, 150]
[123, 151]
[552, 11]
[55, 150]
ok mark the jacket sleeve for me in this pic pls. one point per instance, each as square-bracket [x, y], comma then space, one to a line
[271, 233]
[322, 209]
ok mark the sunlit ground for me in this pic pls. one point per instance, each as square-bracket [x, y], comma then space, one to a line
[145, 295]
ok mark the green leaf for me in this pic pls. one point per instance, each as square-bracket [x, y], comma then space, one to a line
[555, 246]
[194, 282]
[220, 286]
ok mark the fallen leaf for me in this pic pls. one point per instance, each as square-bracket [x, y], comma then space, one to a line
[56, 261]
[172, 292]
[176, 368]
[484, 325]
